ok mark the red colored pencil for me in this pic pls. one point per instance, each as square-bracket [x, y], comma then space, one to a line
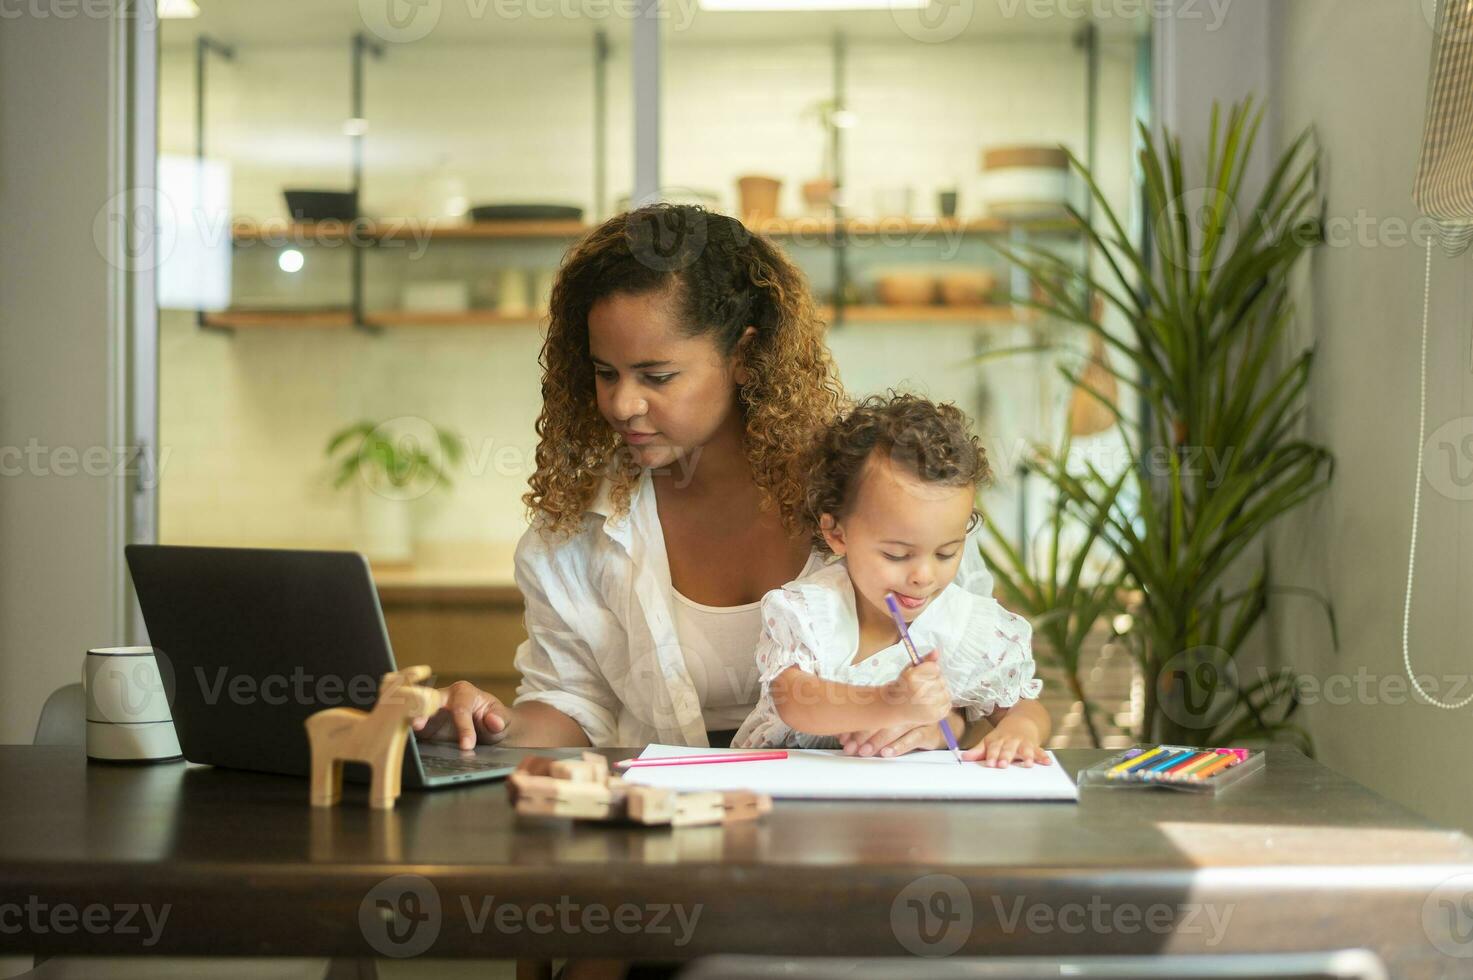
[696, 760]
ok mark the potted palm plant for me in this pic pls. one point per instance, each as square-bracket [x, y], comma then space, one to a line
[1218, 457]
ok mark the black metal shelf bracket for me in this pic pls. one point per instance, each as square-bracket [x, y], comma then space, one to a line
[836, 197]
[600, 125]
[204, 45]
[363, 48]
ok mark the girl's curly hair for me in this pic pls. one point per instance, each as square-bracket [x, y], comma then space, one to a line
[723, 279]
[933, 442]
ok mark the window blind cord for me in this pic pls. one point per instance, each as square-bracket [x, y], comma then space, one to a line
[1406, 614]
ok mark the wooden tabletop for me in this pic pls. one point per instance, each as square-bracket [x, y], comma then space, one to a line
[1296, 858]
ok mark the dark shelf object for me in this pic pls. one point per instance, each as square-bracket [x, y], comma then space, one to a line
[526, 212]
[305, 205]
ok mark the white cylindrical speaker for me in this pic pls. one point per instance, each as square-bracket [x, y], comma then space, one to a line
[128, 718]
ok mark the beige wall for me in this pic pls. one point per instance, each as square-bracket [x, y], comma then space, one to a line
[60, 533]
[1356, 70]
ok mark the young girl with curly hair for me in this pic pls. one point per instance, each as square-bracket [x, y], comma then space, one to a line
[891, 493]
[684, 379]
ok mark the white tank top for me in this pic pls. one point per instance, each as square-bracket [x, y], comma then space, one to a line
[720, 646]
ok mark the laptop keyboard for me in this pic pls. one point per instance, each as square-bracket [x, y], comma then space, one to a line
[441, 759]
[436, 766]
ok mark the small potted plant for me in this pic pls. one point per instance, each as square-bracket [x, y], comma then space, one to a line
[395, 462]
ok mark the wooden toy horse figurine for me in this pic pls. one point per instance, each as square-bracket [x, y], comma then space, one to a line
[376, 737]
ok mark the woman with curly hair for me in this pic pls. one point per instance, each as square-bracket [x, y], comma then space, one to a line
[684, 379]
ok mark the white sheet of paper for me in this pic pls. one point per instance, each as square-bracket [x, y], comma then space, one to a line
[813, 774]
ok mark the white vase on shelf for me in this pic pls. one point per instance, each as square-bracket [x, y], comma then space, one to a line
[385, 527]
[444, 197]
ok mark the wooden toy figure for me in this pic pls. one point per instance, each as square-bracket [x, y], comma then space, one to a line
[583, 789]
[376, 737]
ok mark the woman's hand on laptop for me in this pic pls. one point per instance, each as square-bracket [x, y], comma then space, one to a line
[470, 716]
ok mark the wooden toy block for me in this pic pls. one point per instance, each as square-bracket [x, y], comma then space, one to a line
[651, 805]
[698, 809]
[745, 805]
[573, 771]
[560, 807]
[540, 769]
[583, 790]
[600, 766]
[533, 765]
[548, 796]
[528, 785]
[592, 768]
[377, 737]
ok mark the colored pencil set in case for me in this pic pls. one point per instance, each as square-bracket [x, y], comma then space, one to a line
[1184, 767]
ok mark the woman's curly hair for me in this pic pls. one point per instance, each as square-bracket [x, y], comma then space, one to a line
[723, 279]
[933, 442]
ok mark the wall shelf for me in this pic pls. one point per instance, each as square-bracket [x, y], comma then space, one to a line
[871, 227]
[339, 318]
[465, 318]
[875, 313]
[284, 233]
[835, 231]
[858, 314]
[491, 229]
[287, 233]
[278, 319]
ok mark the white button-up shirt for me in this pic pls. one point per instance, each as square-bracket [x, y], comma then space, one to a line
[601, 641]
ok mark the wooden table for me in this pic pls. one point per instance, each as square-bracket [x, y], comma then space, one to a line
[1297, 858]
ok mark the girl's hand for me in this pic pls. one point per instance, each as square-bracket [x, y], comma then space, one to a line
[898, 741]
[919, 694]
[1005, 745]
[469, 716]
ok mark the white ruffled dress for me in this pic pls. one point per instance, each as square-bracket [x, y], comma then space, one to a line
[812, 623]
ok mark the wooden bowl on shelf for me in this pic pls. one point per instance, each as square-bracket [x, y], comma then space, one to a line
[906, 288]
[967, 287]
